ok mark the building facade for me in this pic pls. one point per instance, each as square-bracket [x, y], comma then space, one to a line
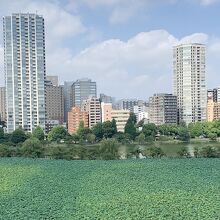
[2, 104]
[141, 112]
[75, 116]
[163, 109]
[93, 108]
[24, 66]
[68, 99]
[50, 124]
[121, 118]
[213, 94]
[106, 99]
[216, 111]
[189, 82]
[127, 104]
[54, 102]
[106, 110]
[82, 89]
[210, 110]
[53, 79]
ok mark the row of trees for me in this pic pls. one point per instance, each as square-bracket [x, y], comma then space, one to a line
[106, 130]
[34, 148]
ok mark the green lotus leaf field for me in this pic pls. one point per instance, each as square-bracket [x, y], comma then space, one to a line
[128, 189]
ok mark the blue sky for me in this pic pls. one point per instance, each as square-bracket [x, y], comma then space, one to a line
[124, 45]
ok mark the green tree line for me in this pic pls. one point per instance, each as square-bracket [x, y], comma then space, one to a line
[103, 138]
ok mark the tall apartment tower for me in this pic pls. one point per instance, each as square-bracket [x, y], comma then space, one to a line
[24, 66]
[2, 104]
[163, 109]
[189, 82]
[82, 89]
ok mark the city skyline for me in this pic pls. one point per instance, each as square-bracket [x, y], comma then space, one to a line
[126, 60]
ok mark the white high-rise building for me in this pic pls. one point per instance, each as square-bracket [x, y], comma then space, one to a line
[2, 104]
[24, 62]
[189, 82]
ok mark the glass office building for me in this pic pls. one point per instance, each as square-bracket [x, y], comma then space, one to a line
[82, 89]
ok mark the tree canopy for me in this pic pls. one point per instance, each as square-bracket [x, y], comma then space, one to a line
[57, 133]
[18, 136]
[130, 127]
[38, 133]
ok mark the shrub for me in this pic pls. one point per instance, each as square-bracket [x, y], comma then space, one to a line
[32, 147]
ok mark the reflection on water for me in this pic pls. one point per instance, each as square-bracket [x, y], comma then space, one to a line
[190, 149]
[170, 149]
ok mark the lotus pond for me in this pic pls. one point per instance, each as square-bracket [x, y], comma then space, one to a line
[130, 189]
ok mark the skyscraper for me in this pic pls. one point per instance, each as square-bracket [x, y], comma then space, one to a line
[24, 62]
[68, 99]
[82, 89]
[2, 104]
[189, 83]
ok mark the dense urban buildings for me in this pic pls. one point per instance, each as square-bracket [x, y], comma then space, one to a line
[93, 108]
[82, 89]
[106, 99]
[31, 99]
[213, 105]
[141, 112]
[2, 104]
[50, 124]
[163, 109]
[128, 104]
[54, 100]
[121, 118]
[189, 64]
[24, 62]
[75, 116]
[213, 94]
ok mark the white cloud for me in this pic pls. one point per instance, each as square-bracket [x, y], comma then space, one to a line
[137, 67]
[195, 38]
[134, 68]
[208, 2]
[60, 23]
[97, 3]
